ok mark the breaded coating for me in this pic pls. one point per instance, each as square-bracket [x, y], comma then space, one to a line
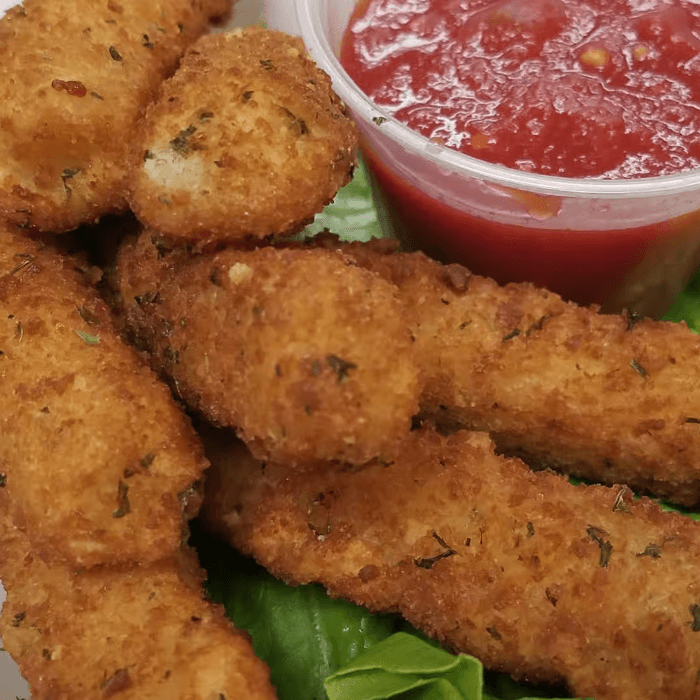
[535, 576]
[246, 139]
[134, 632]
[306, 354]
[608, 398]
[97, 462]
[75, 75]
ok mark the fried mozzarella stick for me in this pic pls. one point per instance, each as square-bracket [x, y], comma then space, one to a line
[133, 632]
[306, 354]
[537, 577]
[97, 462]
[606, 398]
[75, 75]
[246, 139]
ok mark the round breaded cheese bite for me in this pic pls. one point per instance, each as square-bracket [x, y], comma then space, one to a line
[246, 139]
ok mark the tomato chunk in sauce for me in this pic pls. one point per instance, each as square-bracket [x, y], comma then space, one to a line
[575, 88]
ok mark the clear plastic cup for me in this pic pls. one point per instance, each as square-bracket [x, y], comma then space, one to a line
[630, 244]
[282, 15]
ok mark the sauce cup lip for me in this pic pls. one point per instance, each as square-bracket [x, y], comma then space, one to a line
[448, 159]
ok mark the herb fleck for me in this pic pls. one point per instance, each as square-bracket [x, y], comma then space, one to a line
[88, 316]
[215, 277]
[171, 354]
[619, 506]
[147, 42]
[651, 550]
[118, 681]
[301, 125]
[538, 324]
[693, 420]
[181, 143]
[634, 364]
[695, 612]
[148, 298]
[633, 318]
[97, 96]
[88, 338]
[513, 334]
[340, 366]
[66, 175]
[429, 562]
[246, 96]
[18, 619]
[494, 633]
[143, 465]
[3, 480]
[379, 120]
[596, 534]
[27, 259]
[123, 506]
[161, 245]
[267, 64]
[551, 597]
[530, 530]
[116, 56]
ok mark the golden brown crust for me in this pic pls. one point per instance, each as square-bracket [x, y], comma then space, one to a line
[306, 354]
[246, 139]
[97, 462]
[537, 577]
[608, 398]
[75, 76]
[131, 632]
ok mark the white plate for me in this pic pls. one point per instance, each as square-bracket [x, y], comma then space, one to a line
[6, 4]
[12, 685]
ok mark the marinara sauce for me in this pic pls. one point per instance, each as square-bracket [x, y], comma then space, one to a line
[575, 88]
[606, 89]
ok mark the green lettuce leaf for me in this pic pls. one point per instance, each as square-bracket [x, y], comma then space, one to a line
[405, 666]
[408, 668]
[352, 215]
[301, 633]
[687, 306]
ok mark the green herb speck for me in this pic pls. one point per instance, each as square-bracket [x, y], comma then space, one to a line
[88, 337]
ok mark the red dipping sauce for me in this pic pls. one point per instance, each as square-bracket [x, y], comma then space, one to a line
[598, 89]
[576, 88]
